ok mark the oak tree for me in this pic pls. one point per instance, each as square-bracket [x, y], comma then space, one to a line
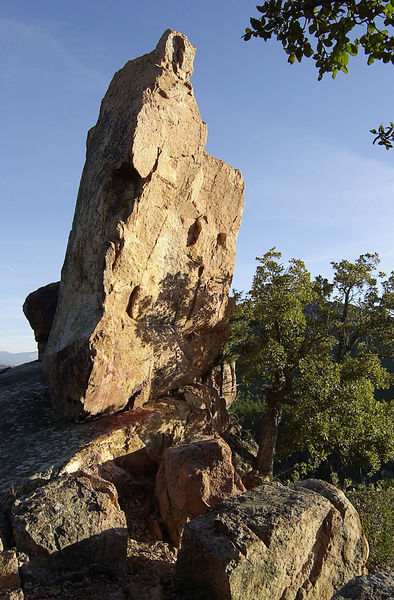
[315, 347]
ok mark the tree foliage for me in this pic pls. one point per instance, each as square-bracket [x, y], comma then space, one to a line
[330, 33]
[316, 346]
[384, 136]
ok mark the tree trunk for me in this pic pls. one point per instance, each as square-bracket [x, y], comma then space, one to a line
[267, 439]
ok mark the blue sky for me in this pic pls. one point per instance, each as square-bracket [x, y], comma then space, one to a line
[316, 188]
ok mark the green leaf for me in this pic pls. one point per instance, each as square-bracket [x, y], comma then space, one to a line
[352, 49]
[308, 50]
[328, 32]
[255, 23]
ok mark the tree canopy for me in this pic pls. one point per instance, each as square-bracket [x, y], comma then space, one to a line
[330, 33]
[315, 347]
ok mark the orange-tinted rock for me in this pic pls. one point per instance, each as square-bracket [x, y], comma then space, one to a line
[143, 305]
[193, 477]
[223, 378]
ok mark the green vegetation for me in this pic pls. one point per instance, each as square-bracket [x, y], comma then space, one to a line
[248, 407]
[375, 505]
[314, 349]
[330, 33]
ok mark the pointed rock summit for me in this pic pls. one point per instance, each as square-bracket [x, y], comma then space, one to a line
[143, 304]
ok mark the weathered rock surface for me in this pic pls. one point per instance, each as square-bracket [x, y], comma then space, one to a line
[143, 304]
[68, 524]
[39, 308]
[272, 542]
[243, 447]
[12, 595]
[44, 446]
[354, 543]
[192, 478]
[223, 378]
[9, 576]
[378, 586]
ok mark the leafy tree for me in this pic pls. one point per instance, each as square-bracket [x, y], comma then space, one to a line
[316, 347]
[329, 33]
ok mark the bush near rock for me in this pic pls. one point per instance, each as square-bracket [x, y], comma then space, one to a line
[377, 586]
[272, 543]
[193, 477]
[69, 524]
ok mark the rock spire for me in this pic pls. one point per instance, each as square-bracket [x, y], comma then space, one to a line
[143, 304]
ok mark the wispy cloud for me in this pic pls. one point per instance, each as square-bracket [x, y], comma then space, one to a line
[36, 41]
[319, 183]
[320, 202]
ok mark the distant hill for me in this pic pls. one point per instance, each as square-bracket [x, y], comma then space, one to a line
[9, 359]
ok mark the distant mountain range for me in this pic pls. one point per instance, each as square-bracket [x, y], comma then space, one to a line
[10, 359]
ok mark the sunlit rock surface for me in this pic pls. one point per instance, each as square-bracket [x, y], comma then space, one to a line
[277, 542]
[143, 305]
[37, 445]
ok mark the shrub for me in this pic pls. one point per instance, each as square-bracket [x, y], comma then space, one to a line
[375, 505]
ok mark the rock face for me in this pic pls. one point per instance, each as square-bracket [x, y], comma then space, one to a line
[193, 477]
[68, 524]
[273, 542]
[143, 304]
[243, 446]
[223, 378]
[39, 308]
[378, 586]
[36, 446]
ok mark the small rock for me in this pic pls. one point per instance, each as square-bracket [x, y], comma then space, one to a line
[193, 477]
[12, 595]
[9, 577]
[90, 528]
[378, 586]
[39, 308]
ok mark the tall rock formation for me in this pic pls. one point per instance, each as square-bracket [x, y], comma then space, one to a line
[143, 305]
